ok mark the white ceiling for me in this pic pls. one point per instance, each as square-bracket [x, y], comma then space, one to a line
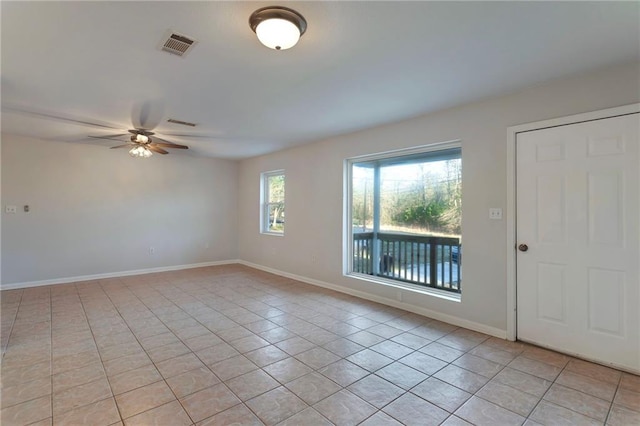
[359, 65]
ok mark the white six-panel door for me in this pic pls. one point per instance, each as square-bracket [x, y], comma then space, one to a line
[578, 286]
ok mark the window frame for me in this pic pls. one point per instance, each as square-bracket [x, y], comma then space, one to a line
[265, 202]
[348, 252]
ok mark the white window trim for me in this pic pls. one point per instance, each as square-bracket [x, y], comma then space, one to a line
[347, 263]
[264, 215]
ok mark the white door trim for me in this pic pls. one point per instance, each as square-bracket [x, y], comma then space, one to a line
[512, 132]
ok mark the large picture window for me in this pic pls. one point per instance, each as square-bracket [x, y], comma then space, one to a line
[272, 214]
[405, 217]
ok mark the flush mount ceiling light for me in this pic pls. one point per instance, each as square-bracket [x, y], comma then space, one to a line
[278, 27]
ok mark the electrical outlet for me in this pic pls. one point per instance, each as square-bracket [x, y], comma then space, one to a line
[11, 209]
[152, 250]
[495, 213]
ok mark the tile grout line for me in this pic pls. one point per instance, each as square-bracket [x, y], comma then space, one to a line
[78, 292]
[562, 406]
[150, 359]
[615, 394]
[13, 323]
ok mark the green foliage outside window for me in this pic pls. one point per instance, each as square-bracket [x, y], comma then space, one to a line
[423, 198]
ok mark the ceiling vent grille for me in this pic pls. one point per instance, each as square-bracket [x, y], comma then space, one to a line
[177, 44]
[184, 123]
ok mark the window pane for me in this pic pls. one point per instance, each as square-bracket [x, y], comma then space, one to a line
[362, 199]
[276, 189]
[276, 217]
[422, 198]
[272, 202]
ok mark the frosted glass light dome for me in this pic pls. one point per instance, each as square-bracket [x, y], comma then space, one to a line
[278, 27]
[140, 152]
[278, 34]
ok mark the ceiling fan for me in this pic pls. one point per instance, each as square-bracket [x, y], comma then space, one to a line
[142, 143]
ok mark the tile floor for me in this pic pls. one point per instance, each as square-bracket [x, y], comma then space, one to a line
[231, 345]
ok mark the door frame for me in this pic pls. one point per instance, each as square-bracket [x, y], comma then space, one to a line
[511, 213]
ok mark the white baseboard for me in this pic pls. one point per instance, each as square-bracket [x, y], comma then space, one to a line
[460, 322]
[65, 280]
[450, 319]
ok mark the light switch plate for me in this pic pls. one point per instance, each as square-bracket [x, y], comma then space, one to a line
[495, 213]
[11, 209]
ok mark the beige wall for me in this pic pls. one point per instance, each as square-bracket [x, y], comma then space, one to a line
[96, 211]
[312, 246]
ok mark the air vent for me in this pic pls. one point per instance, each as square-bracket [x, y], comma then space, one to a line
[184, 123]
[177, 44]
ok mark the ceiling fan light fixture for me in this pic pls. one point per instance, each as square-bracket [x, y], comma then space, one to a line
[140, 152]
[278, 27]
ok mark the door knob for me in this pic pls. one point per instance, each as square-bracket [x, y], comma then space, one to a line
[523, 247]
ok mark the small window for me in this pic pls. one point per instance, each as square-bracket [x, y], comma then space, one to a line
[404, 217]
[272, 214]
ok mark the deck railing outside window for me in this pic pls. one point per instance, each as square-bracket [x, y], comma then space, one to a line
[418, 259]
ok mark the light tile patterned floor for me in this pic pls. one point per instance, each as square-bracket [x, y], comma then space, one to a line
[232, 345]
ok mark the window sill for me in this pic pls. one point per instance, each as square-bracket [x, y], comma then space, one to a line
[414, 288]
[273, 234]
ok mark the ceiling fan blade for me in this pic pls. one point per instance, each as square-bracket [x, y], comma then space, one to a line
[121, 146]
[109, 136]
[111, 139]
[58, 117]
[176, 145]
[192, 136]
[169, 144]
[156, 149]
